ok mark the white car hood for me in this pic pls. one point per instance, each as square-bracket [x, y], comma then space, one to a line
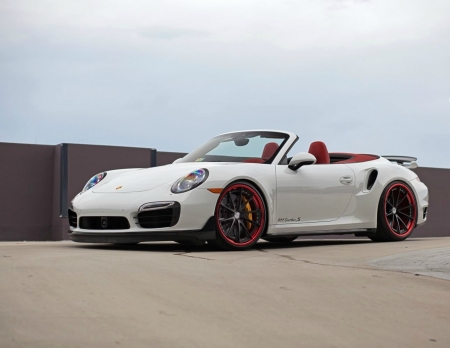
[147, 179]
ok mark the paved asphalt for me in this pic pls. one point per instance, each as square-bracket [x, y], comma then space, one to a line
[335, 293]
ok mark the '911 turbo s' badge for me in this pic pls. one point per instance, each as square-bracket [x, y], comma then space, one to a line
[118, 187]
[284, 220]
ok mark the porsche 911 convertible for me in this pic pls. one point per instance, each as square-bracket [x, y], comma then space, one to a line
[241, 187]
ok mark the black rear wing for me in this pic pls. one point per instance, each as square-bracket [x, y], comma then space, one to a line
[405, 161]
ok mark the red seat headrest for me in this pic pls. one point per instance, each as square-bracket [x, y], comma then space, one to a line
[319, 150]
[269, 151]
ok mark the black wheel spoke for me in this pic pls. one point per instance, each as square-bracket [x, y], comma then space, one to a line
[240, 200]
[409, 216]
[406, 226]
[408, 207]
[389, 203]
[245, 203]
[389, 213]
[224, 206]
[226, 219]
[406, 195]
[392, 219]
[231, 227]
[398, 196]
[231, 199]
[249, 236]
[251, 221]
[398, 224]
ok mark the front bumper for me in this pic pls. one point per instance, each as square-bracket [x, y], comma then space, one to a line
[196, 209]
[206, 233]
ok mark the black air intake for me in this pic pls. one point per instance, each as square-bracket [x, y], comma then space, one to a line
[104, 223]
[159, 218]
[72, 218]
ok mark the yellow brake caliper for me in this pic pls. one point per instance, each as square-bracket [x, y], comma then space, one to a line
[247, 207]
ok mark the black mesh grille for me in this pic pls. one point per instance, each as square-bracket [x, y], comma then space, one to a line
[72, 218]
[160, 217]
[104, 223]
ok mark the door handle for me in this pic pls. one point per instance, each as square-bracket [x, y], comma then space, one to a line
[346, 180]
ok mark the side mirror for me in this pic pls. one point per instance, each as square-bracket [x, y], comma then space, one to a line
[301, 159]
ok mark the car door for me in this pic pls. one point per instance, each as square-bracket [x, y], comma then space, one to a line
[313, 193]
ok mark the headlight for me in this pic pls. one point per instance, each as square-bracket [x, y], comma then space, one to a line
[190, 181]
[94, 181]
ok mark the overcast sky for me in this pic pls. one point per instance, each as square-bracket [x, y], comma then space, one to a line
[362, 76]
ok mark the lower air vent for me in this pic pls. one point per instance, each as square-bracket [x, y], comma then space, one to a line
[425, 211]
[104, 223]
[72, 218]
[159, 218]
[371, 180]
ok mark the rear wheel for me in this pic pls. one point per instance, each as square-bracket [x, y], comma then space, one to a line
[397, 213]
[240, 216]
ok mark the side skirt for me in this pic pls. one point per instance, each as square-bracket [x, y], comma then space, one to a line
[360, 232]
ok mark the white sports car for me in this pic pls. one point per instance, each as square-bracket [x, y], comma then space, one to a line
[241, 186]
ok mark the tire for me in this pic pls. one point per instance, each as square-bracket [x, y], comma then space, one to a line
[240, 216]
[280, 239]
[397, 213]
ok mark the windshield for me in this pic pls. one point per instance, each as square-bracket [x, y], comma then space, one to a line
[247, 147]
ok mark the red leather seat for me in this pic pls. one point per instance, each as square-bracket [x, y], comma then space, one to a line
[268, 151]
[319, 150]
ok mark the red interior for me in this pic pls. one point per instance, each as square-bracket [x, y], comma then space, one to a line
[268, 151]
[319, 150]
[355, 157]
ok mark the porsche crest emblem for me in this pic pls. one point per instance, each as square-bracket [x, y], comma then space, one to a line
[118, 187]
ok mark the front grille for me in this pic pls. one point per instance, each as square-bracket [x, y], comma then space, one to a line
[159, 218]
[104, 223]
[72, 218]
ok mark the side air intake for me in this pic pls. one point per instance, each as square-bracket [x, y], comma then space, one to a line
[371, 179]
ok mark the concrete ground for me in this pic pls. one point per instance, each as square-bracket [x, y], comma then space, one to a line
[335, 293]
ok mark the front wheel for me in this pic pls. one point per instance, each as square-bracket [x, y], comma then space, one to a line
[397, 213]
[240, 216]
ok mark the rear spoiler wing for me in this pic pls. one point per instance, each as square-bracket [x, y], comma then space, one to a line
[405, 161]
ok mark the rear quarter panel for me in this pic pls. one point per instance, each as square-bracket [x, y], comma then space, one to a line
[363, 206]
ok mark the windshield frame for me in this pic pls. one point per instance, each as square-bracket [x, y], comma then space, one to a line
[288, 140]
